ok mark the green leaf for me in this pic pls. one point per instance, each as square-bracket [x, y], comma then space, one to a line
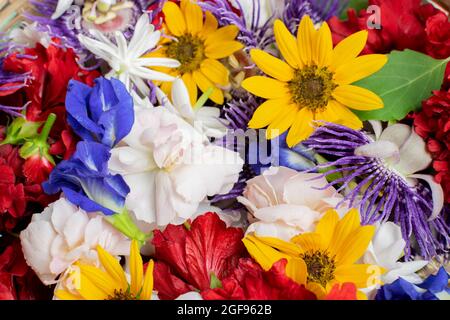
[354, 4]
[215, 282]
[405, 81]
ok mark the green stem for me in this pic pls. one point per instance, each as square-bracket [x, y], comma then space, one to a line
[204, 97]
[47, 127]
[123, 222]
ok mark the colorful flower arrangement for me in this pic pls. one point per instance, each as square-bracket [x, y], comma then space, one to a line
[226, 149]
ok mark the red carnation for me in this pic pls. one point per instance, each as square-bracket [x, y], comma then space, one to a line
[50, 71]
[17, 280]
[433, 124]
[187, 258]
[405, 24]
[250, 282]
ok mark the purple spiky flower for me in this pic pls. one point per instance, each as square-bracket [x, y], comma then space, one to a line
[69, 25]
[382, 193]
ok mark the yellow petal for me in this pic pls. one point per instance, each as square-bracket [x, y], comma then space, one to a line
[147, 287]
[215, 71]
[287, 44]
[267, 112]
[224, 34]
[191, 86]
[222, 49]
[337, 113]
[89, 291]
[355, 245]
[344, 228]
[282, 122]
[204, 84]
[349, 48]
[112, 266]
[325, 227]
[288, 248]
[357, 98]
[210, 25]
[309, 241]
[174, 18]
[359, 274]
[101, 279]
[194, 17]
[265, 255]
[301, 128]
[317, 289]
[296, 270]
[265, 87]
[136, 268]
[359, 68]
[272, 66]
[306, 40]
[324, 47]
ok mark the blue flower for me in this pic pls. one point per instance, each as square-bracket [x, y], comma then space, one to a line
[86, 181]
[103, 113]
[435, 287]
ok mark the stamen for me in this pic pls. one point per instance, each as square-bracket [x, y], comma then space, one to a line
[121, 295]
[189, 50]
[320, 266]
[312, 87]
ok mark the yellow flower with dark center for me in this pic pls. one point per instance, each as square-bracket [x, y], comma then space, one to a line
[110, 281]
[197, 43]
[313, 83]
[322, 258]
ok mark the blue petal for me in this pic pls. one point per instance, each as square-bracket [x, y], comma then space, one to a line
[293, 160]
[436, 283]
[78, 113]
[93, 155]
[84, 202]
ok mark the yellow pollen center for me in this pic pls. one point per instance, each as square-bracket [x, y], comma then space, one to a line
[312, 87]
[320, 266]
[121, 295]
[189, 50]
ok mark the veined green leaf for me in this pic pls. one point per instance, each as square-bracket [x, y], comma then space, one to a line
[405, 81]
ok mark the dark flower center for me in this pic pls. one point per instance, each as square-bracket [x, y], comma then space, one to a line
[122, 295]
[320, 266]
[189, 50]
[312, 87]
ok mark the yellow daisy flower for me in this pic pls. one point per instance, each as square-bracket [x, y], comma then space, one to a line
[314, 83]
[322, 258]
[197, 43]
[110, 282]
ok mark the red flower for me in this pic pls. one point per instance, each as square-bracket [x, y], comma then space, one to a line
[345, 291]
[187, 258]
[250, 282]
[405, 24]
[433, 124]
[36, 169]
[50, 71]
[15, 192]
[17, 280]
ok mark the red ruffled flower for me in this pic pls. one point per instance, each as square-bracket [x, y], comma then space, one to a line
[250, 282]
[432, 123]
[50, 70]
[17, 280]
[188, 257]
[15, 192]
[406, 24]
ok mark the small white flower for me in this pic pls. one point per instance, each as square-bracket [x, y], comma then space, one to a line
[205, 119]
[386, 248]
[125, 59]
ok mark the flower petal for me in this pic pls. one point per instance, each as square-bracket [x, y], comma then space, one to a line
[210, 25]
[147, 287]
[204, 84]
[355, 245]
[272, 66]
[359, 68]
[265, 87]
[325, 227]
[215, 71]
[264, 254]
[267, 112]
[222, 49]
[191, 86]
[301, 128]
[112, 266]
[282, 122]
[437, 193]
[324, 47]
[287, 44]
[359, 274]
[349, 48]
[193, 16]
[224, 34]
[357, 98]
[174, 18]
[306, 40]
[136, 268]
